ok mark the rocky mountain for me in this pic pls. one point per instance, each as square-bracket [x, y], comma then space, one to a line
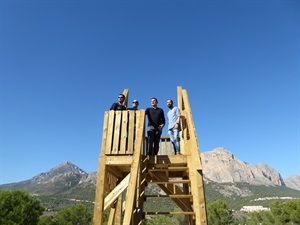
[219, 166]
[293, 182]
[56, 180]
[222, 166]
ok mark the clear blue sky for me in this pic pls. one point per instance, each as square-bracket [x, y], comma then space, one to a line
[64, 62]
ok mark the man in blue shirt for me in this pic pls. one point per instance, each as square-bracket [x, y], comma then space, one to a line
[174, 125]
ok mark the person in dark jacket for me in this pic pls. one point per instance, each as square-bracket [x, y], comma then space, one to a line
[156, 122]
[120, 104]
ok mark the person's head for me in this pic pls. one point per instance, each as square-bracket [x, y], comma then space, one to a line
[121, 98]
[170, 103]
[154, 102]
[135, 104]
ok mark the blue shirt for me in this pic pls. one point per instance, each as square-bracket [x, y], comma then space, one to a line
[173, 115]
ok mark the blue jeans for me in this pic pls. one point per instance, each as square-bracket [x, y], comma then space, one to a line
[174, 134]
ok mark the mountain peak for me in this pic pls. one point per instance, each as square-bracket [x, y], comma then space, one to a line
[64, 168]
[221, 152]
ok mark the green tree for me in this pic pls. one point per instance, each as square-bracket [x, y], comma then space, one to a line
[162, 219]
[219, 214]
[76, 215]
[46, 220]
[287, 212]
[17, 207]
[260, 217]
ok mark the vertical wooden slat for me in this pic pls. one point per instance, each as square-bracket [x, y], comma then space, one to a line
[131, 191]
[110, 131]
[126, 94]
[99, 197]
[165, 146]
[104, 134]
[140, 191]
[183, 133]
[117, 132]
[124, 133]
[131, 131]
[111, 216]
[170, 148]
[118, 214]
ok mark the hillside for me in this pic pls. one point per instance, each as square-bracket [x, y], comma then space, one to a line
[225, 176]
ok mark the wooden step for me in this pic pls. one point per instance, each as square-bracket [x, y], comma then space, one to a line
[169, 213]
[169, 182]
[169, 169]
[168, 196]
[166, 161]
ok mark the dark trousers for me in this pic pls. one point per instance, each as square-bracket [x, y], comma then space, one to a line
[153, 141]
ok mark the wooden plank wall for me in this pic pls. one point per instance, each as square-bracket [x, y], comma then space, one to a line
[120, 132]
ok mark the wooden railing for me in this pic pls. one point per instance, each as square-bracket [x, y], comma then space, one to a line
[120, 131]
[120, 134]
[165, 146]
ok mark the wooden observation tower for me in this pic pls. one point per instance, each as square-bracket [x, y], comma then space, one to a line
[125, 171]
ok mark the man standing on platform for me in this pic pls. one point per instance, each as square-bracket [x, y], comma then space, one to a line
[156, 122]
[174, 125]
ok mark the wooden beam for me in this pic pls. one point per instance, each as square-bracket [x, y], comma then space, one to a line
[99, 203]
[166, 160]
[114, 194]
[111, 216]
[119, 209]
[131, 191]
[170, 213]
[119, 160]
[114, 171]
[197, 189]
[169, 196]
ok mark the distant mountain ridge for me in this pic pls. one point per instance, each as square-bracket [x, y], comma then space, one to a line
[222, 166]
[219, 166]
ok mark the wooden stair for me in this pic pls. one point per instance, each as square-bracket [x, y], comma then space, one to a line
[173, 179]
